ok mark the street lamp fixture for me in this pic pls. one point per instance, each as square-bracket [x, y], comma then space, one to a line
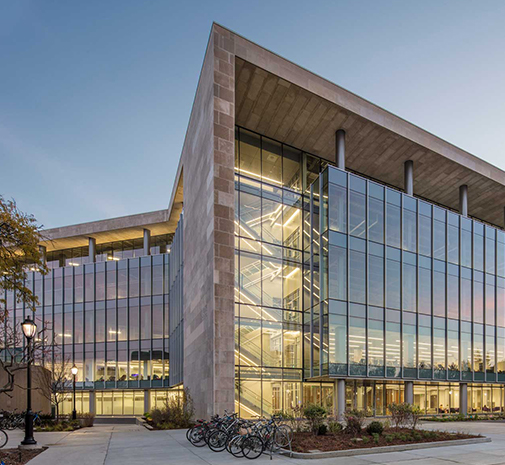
[74, 371]
[29, 330]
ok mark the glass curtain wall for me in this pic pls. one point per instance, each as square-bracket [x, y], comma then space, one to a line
[272, 276]
[432, 278]
[107, 318]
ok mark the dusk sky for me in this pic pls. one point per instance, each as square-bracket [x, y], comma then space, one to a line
[95, 96]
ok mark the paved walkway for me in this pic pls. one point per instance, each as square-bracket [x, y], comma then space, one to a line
[129, 444]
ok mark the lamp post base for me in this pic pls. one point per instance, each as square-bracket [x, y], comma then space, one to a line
[29, 446]
[74, 415]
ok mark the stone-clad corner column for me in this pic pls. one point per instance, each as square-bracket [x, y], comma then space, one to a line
[463, 200]
[340, 148]
[340, 389]
[222, 267]
[409, 177]
[463, 399]
[92, 250]
[147, 242]
[409, 392]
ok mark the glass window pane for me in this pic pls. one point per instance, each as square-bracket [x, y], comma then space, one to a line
[291, 166]
[357, 209]
[357, 287]
[250, 154]
[393, 225]
[392, 284]
[409, 230]
[376, 281]
[375, 220]
[409, 287]
[271, 280]
[271, 221]
[271, 156]
[425, 236]
[337, 208]
[337, 262]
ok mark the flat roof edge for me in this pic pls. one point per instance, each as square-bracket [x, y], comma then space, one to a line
[111, 224]
[324, 88]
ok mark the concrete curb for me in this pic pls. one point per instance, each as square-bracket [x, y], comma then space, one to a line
[381, 450]
[139, 421]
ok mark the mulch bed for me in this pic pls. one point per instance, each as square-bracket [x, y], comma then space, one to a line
[307, 442]
[17, 456]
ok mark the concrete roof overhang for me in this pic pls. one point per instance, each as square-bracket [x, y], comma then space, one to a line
[110, 230]
[284, 101]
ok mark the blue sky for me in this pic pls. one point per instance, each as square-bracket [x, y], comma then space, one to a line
[95, 96]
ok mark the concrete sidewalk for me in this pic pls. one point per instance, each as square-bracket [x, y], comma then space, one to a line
[131, 444]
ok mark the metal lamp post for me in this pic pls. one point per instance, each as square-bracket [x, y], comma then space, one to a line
[74, 371]
[29, 330]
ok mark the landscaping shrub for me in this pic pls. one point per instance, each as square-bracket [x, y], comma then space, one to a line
[63, 425]
[405, 414]
[376, 427]
[335, 426]
[416, 436]
[376, 437]
[399, 414]
[389, 437]
[415, 415]
[177, 412]
[366, 439]
[354, 421]
[315, 414]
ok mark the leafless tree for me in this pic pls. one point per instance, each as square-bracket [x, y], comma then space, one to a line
[55, 385]
[14, 353]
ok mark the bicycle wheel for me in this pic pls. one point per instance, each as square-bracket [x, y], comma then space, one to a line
[3, 438]
[281, 439]
[234, 447]
[252, 447]
[217, 441]
[196, 436]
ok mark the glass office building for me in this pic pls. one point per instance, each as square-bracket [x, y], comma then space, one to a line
[111, 319]
[311, 264]
[341, 277]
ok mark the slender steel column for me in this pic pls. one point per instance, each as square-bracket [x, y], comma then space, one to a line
[91, 401]
[340, 386]
[92, 250]
[463, 200]
[409, 392]
[147, 242]
[463, 399]
[147, 401]
[340, 148]
[408, 182]
[43, 253]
